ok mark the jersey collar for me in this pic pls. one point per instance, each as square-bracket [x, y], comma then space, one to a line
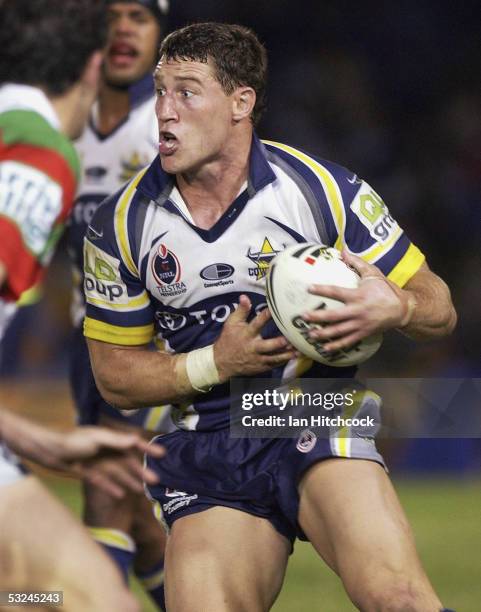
[157, 184]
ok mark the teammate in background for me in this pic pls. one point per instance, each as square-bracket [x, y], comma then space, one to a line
[51, 58]
[188, 240]
[121, 138]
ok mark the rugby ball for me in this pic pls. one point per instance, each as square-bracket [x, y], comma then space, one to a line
[290, 274]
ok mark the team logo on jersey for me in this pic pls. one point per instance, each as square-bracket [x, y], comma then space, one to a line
[170, 321]
[167, 272]
[262, 259]
[132, 166]
[217, 274]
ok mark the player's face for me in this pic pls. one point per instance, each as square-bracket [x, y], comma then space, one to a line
[133, 43]
[194, 115]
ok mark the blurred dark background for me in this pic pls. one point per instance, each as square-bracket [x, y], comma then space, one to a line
[389, 90]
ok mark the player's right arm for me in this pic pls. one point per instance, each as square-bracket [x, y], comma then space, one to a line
[119, 325]
[132, 376]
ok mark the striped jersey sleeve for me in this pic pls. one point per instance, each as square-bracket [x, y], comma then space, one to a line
[354, 215]
[39, 170]
[119, 310]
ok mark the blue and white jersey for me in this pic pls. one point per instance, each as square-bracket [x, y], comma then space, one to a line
[149, 269]
[109, 161]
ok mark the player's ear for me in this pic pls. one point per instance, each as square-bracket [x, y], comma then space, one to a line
[243, 102]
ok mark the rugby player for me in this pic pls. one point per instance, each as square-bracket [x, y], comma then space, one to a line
[188, 244]
[52, 53]
[121, 137]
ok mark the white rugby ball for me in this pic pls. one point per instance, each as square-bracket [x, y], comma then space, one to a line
[290, 274]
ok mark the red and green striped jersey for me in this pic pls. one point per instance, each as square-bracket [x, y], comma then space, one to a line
[39, 171]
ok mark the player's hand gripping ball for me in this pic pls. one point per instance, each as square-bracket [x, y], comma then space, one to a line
[290, 274]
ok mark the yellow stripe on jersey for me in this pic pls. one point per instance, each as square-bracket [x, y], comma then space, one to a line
[127, 336]
[334, 197]
[405, 269]
[31, 296]
[343, 436]
[112, 537]
[136, 303]
[120, 223]
[376, 251]
[152, 582]
[155, 416]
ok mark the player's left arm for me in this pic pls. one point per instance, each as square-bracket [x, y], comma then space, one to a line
[422, 309]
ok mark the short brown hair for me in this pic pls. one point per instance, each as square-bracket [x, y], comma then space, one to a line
[239, 57]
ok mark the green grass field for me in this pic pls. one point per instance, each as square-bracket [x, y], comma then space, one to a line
[446, 518]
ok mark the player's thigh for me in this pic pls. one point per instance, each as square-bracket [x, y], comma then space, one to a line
[43, 547]
[224, 560]
[351, 514]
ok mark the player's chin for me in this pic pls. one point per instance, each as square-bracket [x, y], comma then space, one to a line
[122, 77]
[173, 164]
[169, 164]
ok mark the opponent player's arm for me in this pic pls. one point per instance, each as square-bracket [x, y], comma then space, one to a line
[91, 453]
[422, 309]
[134, 377]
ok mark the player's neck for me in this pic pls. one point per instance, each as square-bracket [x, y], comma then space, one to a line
[210, 191]
[113, 108]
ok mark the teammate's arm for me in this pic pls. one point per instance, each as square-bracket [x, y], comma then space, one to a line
[134, 377]
[422, 309]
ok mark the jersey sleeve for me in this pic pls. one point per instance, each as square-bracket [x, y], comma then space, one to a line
[358, 219]
[119, 309]
[371, 232]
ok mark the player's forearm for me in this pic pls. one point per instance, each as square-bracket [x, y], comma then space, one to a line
[433, 313]
[30, 440]
[130, 378]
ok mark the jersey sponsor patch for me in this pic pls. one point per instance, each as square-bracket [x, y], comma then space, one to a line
[262, 259]
[371, 211]
[33, 201]
[103, 282]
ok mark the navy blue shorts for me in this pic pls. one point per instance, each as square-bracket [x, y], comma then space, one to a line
[90, 405]
[259, 476]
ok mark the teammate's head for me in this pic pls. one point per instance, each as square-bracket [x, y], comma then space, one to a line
[48, 43]
[238, 58]
[136, 27]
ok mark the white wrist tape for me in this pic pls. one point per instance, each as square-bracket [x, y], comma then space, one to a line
[201, 369]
